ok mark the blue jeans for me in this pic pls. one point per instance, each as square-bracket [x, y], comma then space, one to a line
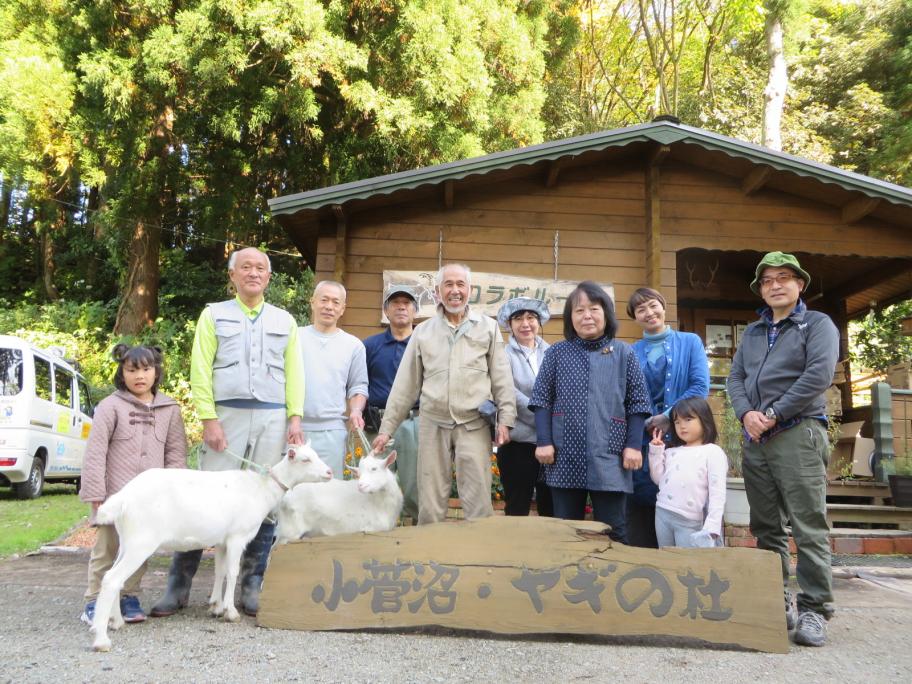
[607, 507]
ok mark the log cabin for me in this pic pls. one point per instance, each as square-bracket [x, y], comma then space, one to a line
[681, 209]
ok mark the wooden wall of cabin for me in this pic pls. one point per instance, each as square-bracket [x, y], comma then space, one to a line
[507, 227]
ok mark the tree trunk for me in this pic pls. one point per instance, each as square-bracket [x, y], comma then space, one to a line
[776, 83]
[6, 203]
[48, 262]
[139, 307]
[92, 206]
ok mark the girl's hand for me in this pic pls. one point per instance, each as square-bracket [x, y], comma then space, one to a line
[545, 454]
[657, 438]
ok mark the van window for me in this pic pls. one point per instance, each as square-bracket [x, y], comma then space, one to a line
[85, 402]
[42, 379]
[10, 372]
[63, 383]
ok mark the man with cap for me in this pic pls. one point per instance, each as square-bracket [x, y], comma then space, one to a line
[783, 365]
[455, 363]
[384, 354]
[523, 318]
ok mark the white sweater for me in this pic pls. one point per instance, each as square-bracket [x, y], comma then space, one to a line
[691, 482]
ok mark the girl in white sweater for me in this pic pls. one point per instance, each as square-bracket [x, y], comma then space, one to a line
[691, 478]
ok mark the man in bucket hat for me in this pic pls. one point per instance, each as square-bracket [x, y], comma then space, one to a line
[784, 363]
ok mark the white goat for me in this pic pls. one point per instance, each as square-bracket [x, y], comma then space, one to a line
[372, 503]
[182, 510]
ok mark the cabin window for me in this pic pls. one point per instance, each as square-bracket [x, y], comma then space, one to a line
[722, 339]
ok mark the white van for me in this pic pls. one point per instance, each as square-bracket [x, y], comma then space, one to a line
[45, 418]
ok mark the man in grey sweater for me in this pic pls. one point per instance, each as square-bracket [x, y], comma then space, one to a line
[783, 365]
[336, 369]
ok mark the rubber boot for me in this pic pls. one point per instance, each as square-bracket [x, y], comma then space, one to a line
[253, 566]
[183, 567]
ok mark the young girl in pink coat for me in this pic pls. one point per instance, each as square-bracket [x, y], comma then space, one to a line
[134, 429]
[691, 478]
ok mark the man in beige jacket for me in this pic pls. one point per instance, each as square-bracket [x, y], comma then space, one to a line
[455, 361]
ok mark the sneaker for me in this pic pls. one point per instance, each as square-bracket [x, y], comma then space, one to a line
[811, 630]
[130, 609]
[791, 613]
[88, 614]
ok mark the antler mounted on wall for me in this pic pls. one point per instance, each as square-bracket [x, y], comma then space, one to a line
[699, 284]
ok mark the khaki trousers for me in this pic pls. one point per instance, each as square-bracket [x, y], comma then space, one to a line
[102, 558]
[256, 434]
[441, 448]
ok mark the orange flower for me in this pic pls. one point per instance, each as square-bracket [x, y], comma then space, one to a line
[359, 452]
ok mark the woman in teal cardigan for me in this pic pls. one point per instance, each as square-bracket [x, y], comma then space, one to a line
[675, 366]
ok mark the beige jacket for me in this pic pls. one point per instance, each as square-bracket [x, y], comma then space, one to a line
[452, 371]
[129, 437]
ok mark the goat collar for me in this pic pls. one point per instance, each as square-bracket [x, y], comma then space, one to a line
[277, 480]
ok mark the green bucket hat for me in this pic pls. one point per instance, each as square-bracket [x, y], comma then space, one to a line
[776, 260]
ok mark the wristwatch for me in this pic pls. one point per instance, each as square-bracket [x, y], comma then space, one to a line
[770, 413]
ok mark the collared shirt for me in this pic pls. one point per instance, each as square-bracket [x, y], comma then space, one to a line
[205, 344]
[384, 354]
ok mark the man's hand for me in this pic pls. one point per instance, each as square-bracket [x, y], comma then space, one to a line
[660, 421]
[756, 424]
[295, 434]
[545, 454]
[355, 420]
[213, 435]
[501, 435]
[380, 441]
[633, 458]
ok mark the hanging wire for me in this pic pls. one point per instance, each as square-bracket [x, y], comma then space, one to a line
[440, 249]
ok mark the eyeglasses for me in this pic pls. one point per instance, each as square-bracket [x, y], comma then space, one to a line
[782, 279]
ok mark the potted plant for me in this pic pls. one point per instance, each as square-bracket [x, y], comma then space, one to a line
[731, 439]
[901, 481]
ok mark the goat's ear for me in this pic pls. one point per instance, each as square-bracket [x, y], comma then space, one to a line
[291, 453]
[306, 442]
[390, 459]
[355, 470]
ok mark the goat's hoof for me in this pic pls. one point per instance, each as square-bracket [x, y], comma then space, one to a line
[231, 615]
[102, 645]
[116, 624]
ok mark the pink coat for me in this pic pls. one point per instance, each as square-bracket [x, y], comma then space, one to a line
[127, 438]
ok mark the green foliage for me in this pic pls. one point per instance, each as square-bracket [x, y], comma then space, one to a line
[25, 525]
[731, 435]
[877, 342]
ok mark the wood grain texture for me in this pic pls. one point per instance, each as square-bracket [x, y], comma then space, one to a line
[523, 576]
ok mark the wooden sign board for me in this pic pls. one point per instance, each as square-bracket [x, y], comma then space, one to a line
[515, 575]
[488, 291]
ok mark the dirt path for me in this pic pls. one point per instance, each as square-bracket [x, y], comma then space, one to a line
[44, 641]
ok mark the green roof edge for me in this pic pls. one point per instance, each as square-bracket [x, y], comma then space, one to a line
[662, 132]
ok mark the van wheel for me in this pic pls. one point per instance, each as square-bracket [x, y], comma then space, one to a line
[32, 487]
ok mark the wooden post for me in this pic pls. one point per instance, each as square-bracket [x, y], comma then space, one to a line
[882, 415]
[654, 219]
[341, 243]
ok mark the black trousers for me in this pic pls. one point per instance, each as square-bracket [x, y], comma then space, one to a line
[519, 472]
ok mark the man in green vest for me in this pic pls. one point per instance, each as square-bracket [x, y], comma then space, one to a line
[247, 379]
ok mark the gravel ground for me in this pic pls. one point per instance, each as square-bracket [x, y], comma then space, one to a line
[44, 641]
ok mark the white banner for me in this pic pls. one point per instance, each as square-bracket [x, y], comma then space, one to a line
[489, 291]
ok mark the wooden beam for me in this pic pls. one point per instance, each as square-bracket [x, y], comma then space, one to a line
[653, 228]
[554, 169]
[449, 194]
[756, 179]
[859, 208]
[341, 243]
[856, 284]
[658, 155]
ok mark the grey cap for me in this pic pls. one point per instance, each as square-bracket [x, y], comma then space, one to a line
[517, 304]
[395, 289]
